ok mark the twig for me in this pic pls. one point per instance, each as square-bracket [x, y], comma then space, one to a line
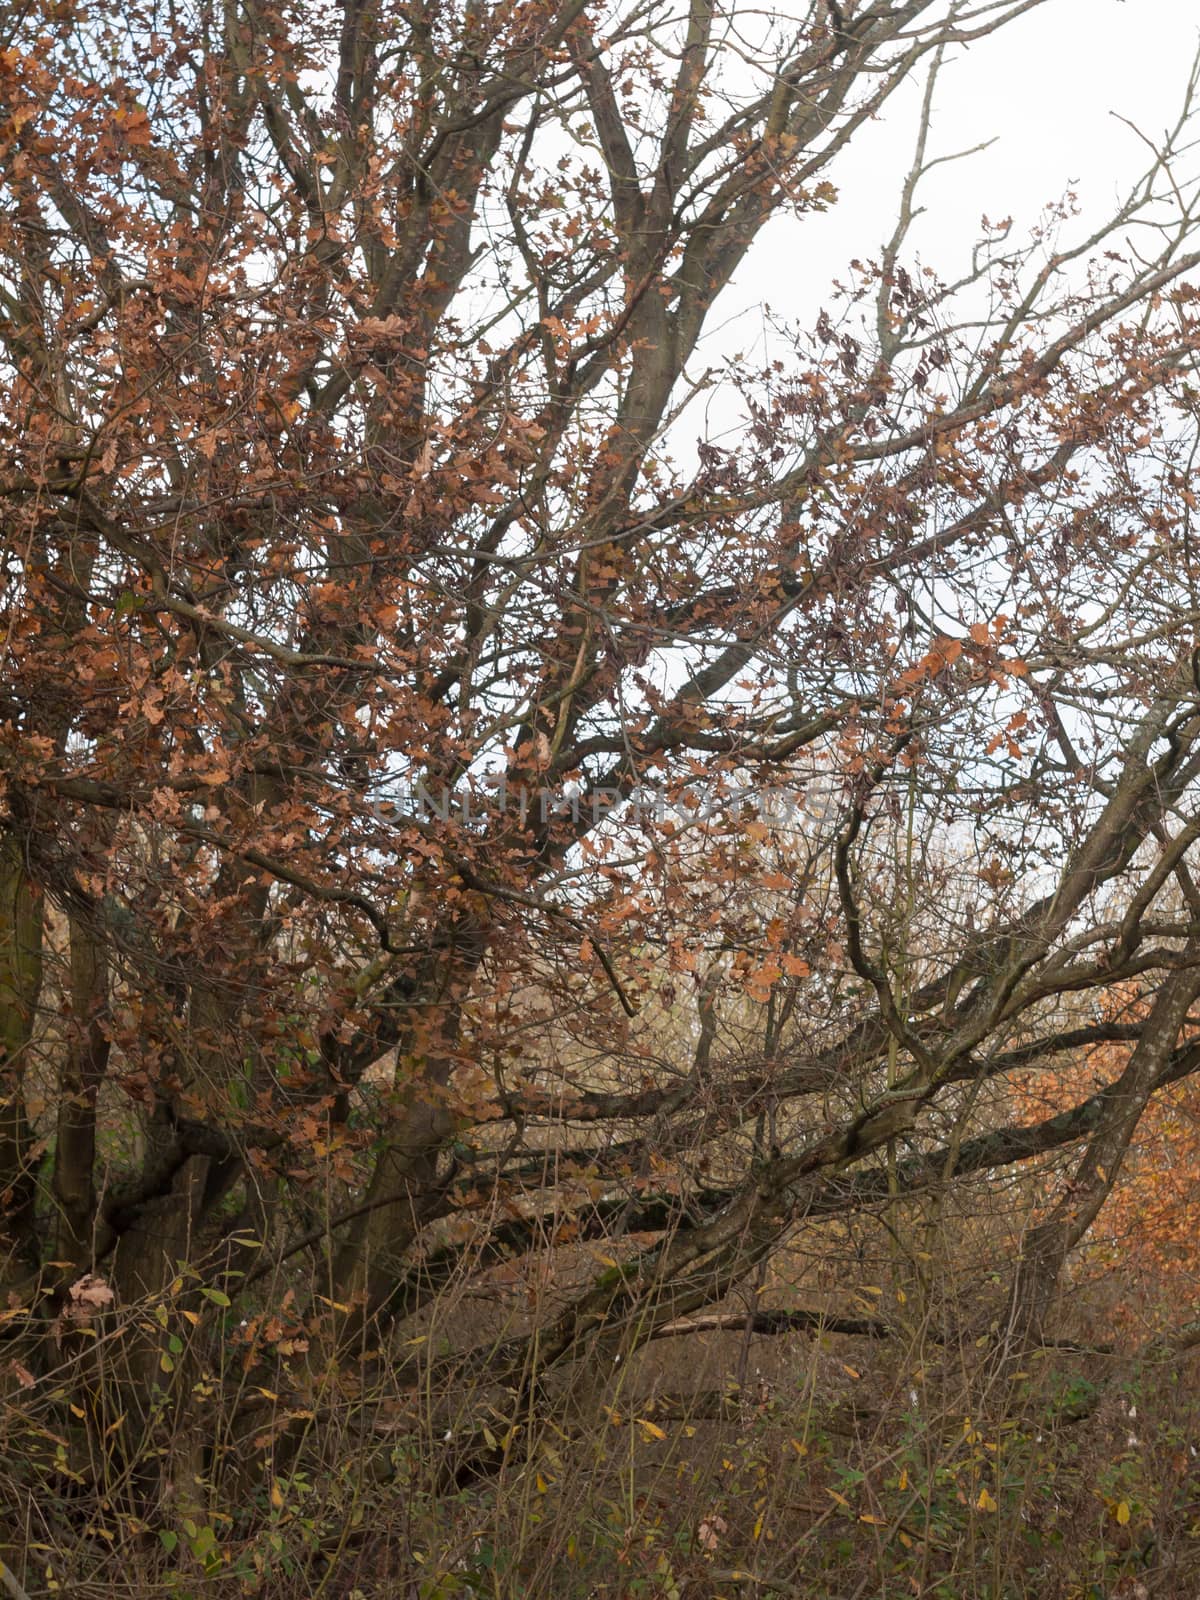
[9, 1581]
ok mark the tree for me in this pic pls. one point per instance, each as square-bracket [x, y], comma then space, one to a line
[390, 885]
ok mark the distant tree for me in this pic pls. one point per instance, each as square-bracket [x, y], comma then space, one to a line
[354, 373]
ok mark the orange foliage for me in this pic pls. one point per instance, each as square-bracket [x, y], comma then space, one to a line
[1149, 1229]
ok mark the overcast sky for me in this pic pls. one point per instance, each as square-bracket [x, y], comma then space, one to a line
[1046, 88]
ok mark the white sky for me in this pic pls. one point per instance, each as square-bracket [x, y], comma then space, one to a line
[1046, 87]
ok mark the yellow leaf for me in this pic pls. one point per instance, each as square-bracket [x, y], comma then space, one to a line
[876, 1522]
[277, 1499]
[840, 1498]
[985, 1501]
[650, 1429]
[758, 1526]
[541, 1484]
[851, 1372]
[903, 1478]
[1122, 1512]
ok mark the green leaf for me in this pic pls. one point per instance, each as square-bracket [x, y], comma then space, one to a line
[217, 1296]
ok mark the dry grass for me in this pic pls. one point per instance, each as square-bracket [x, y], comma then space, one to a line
[720, 1463]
